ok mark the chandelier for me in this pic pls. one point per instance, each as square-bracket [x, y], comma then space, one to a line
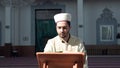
[16, 3]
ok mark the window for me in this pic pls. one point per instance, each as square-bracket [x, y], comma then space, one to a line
[106, 33]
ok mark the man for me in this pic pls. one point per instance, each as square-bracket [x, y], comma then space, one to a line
[64, 41]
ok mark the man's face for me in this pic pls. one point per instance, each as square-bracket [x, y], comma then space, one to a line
[63, 29]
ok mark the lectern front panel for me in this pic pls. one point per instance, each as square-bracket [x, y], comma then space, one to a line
[60, 60]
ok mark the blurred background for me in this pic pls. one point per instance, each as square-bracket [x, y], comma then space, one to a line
[26, 25]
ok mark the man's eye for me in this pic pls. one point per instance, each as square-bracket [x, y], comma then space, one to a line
[62, 27]
[59, 27]
[65, 28]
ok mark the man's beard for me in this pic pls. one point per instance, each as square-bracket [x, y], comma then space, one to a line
[63, 35]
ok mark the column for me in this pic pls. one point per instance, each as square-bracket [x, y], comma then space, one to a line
[8, 24]
[15, 26]
[80, 19]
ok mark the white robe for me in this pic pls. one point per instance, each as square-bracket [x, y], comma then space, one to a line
[57, 44]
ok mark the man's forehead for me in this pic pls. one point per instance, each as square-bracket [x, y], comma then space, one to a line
[62, 24]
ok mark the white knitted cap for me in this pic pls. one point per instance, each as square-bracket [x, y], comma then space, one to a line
[62, 17]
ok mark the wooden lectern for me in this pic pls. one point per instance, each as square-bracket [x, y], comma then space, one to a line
[60, 60]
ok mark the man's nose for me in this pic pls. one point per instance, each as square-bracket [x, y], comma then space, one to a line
[61, 30]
